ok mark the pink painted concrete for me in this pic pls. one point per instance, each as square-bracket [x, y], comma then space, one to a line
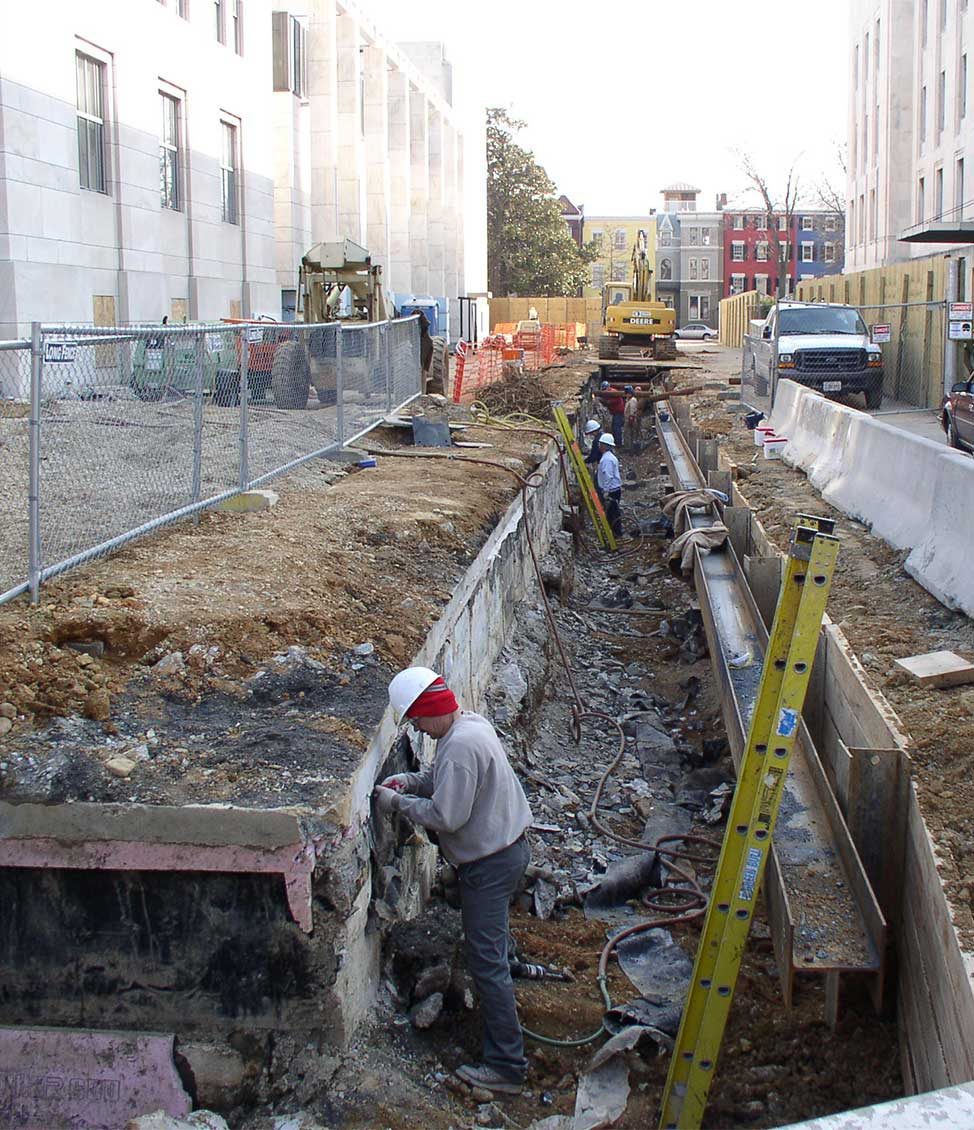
[79, 1079]
[294, 862]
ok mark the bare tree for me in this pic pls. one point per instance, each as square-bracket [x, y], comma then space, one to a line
[775, 205]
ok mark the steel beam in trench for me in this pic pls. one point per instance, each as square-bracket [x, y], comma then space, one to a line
[824, 915]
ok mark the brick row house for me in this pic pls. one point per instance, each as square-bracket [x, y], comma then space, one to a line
[759, 248]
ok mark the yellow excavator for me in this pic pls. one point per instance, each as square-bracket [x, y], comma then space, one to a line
[632, 316]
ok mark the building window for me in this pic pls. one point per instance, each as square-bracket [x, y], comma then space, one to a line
[705, 268]
[761, 223]
[921, 192]
[962, 87]
[228, 173]
[943, 14]
[923, 114]
[289, 38]
[938, 194]
[941, 102]
[619, 239]
[855, 67]
[783, 251]
[923, 23]
[699, 308]
[865, 59]
[693, 236]
[237, 11]
[808, 252]
[181, 9]
[830, 223]
[220, 16]
[738, 284]
[663, 239]
[830, 253]
[761, 284]
[90, 79]
[666, 270]
[959, 189]
[705, 237]
[598, 275]
[169, 153]
[782, 223]
[597, 238]
[761, 251]
[808, 223]
[872, 213]
[852, 222]
[737, 251]
[692, 268]
[876, 53]
[738, 223]
[862, 218]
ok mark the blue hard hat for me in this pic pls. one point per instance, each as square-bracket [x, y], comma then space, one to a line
[629, 388]
[604, 384]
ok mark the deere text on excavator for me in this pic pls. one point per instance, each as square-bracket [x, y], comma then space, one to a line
[631, 314]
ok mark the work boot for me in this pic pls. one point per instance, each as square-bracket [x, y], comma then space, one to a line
[483, 1075]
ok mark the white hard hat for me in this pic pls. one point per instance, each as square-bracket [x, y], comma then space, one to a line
[406, 687]
[592, 426]
[608, 439]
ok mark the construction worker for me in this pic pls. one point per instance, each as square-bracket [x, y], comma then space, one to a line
[615, 402]
[633, 419]
[609, 482]
[592, 430]
[472, 799]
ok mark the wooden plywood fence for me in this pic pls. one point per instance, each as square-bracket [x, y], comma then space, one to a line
[735, 317]
[553, 311]
[905, 295]
[865, 756]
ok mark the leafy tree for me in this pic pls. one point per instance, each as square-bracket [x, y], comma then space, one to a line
[530, 250]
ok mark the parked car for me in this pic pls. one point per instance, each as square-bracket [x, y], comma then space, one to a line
[823, 345]
[957, 416]
[696, 331]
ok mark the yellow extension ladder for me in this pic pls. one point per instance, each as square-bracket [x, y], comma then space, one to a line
[592, 501]
[747, 840]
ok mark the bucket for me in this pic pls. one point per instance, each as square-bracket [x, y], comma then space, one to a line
[762, 433]
[773, 447]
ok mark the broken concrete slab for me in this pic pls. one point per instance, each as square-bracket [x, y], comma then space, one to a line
[55, 1078]
[603, 1095]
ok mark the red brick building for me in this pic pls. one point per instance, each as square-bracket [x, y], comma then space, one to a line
[757, 249]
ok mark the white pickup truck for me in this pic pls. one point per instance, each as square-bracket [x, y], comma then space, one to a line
[822, 345]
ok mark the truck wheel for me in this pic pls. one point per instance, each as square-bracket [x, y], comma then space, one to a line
[608, 348]
[226, 390]
[953, 437]
[439, 370]
[874, 397]
[290, 375]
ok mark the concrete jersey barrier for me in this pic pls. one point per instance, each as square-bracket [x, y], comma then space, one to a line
[910, 490]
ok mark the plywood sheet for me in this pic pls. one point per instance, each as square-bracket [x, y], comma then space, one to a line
[938, 669]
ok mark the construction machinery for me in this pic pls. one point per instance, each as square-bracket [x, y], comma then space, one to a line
[337, 282]
[632, 316]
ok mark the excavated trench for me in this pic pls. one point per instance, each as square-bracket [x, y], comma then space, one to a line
[633, 634]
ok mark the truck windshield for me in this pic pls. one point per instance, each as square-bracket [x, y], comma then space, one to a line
[821, 320]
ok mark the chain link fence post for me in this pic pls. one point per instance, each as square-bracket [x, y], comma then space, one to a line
[34, 487]
[339, 389]
[387, 339]
[244, 478]
[198, 421]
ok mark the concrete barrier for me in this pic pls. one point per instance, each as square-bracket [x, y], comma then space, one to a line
[910, 490]
[941, 557]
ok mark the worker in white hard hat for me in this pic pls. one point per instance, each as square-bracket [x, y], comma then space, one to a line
[608, 482]
[470, 796]
[592, 430]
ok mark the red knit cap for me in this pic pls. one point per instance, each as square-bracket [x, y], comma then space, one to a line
[435, 701]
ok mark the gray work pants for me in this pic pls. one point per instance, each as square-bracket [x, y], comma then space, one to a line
[486, 888]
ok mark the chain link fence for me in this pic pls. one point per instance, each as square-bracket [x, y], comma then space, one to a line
[110, 433]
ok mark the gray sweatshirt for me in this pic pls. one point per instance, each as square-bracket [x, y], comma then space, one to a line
[469, 795]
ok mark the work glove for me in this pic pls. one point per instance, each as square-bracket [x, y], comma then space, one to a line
[386, 800]
[397, 783]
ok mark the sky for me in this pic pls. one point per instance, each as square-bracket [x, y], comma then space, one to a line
[625, 98]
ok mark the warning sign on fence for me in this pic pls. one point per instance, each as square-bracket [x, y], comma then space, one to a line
[960, 330]
[881, 332]
[960, 311]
